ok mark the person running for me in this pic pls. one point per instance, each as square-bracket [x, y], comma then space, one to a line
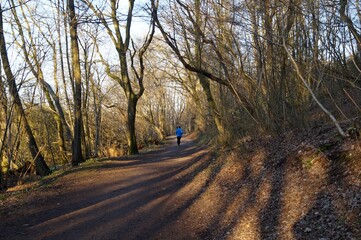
[179, 133]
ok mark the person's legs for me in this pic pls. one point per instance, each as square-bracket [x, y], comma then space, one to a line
[178, 140]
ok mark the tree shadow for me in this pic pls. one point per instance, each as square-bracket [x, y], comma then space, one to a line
[323, 220]
[268, 215]
[148, 204]
[119, 208]
[166, 152]
[320, 222]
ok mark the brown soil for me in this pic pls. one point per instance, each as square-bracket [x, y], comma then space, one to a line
[288, 187]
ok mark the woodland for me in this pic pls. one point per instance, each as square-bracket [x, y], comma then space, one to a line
[83, 79]
[280, 79]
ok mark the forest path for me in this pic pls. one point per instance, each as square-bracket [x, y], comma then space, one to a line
[137, 197]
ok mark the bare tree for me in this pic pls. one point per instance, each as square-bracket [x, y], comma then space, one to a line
[77, 156]
[4, 124]
[350, 24]
[33, 58]
[127, 53]
[41, 166]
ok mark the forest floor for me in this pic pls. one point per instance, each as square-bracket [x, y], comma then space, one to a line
[292, 186]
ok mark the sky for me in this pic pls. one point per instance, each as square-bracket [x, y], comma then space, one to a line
[139, 26]
[138, 31]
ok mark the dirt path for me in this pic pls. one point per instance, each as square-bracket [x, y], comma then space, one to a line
[270, 191]
[141, 197]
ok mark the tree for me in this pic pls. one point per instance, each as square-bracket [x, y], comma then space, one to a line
[192, 47]
[77, 156]
[350, 24]
[40, 164]
[4, 123]
[33, 58]
[126, 50]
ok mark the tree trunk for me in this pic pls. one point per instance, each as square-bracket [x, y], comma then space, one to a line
[97, 109]
[62, 67]
[36, 68]
[77, 156]
[346, 19]
[121, 43]
[86, 107]
[3, 126]
[40, 164]
[98, 119]
[205, 82]
[131, 114]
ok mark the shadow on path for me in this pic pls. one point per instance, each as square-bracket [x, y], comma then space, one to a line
[125, 200]
[184, 192]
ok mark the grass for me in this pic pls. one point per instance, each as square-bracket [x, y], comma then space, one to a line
[308, 162]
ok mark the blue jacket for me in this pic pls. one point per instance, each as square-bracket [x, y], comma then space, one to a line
[179, 132]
